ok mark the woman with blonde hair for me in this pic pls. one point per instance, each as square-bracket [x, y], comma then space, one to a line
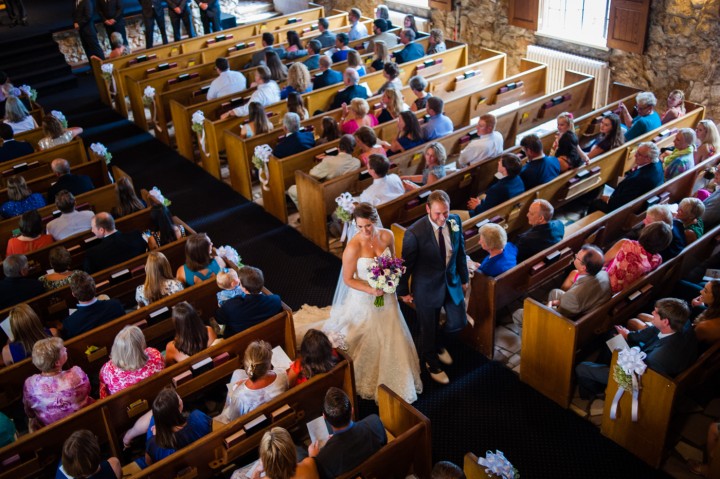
[381, 57]
[435, 158]
[708, 139]
[436, 42]
[355, 116]
[501, 255]
[278, 456]
[20, 198]
[26, 329]
[55, 133]
[675, 106]
[159, 281]
[191, 334]
[17, 116]
[393, 105]
[690, 211]
[355, 61]
[258, 122]
[200, 264]
[566, 147]
[295, 105]
[298, 80]
[131, 361]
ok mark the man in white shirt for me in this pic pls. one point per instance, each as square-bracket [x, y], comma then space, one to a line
[227, 82]
[70, 222]
[488, 144]
[384, 187]
[357, 30]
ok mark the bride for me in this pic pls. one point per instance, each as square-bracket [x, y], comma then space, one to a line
[377, 338]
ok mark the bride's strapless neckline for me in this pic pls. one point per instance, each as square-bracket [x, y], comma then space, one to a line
[386, 250]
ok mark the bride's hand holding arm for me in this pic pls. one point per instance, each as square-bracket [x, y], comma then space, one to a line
[350, 258]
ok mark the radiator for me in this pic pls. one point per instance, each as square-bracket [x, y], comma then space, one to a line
[558, 62]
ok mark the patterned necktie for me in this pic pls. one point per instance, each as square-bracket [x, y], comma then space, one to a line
[441, 244]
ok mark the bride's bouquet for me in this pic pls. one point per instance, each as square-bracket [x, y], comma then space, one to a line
[384, 274]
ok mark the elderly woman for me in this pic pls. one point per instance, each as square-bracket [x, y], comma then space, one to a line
[278, 456]
[191, 334]
[368, 144]
[381, 56]
[410, 133]
[26, 330]
[566, 147]
[159, 281]
[21, 199]
[690, 212]
[298, 80]
[60, 262]
[355, 116]
[436, 42]
[266, 93]
[629, 260]
[200, 264]
[501, 255]
[17, 116]
[258, 383]
[55, 133]
[675, 106]
[418, 85]
[509, 186]
[708, 140]
[647, 118]
[681, 159]
[435, 157]
[391, 72]
[81, 456]
[118, 46]
[53, 394]
[611, 136]
[31, 235]
[393, 105]
[131, 361]
[257, 123]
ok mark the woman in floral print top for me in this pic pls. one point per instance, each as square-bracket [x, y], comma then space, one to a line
[130, 362]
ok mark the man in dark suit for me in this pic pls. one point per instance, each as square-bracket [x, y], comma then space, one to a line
[295, 140]
[16, 287]
[243, 312]
[434, 253]
[327, 75]
[351, 90]
[669, 346]
[540, 168]
[313, 51]
[180, 10]
[83, 22]
[210, 15]
[351, 442]
[115, 246]
[645, 176]
[91, 312]
[12, 148]
[326, 37]
[268, 39]
[411, 51]
[153, 11]
[75, 184]
[111, 14]
[544, 231]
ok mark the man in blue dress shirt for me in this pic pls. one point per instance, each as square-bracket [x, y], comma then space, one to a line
[539, 169]
[438, 125]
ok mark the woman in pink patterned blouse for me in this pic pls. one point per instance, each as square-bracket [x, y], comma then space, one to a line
[130, 362]
[54, 393]
[629, 260]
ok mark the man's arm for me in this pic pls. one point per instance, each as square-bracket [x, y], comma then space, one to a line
[409, 254]
[461, 260]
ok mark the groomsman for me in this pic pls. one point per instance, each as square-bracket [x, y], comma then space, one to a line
[210, 15]
[153, 11]
[179, 10]
[111, 14]
[83, 23]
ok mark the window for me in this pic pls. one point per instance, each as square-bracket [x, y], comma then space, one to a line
[579, 21]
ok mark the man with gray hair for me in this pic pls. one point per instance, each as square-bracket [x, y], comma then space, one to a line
[412, 50]
[351, 90]
[662, 213]
[544, 231]
[327, 75]
[647, 118]
[294, 140]
[75, 184]
[681, 158]
[16, 287]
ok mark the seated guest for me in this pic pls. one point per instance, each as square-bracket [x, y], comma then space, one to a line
[380, 30]
[60, 262]
[611, 136]
[411, 51]
[330, 130]
[332, 166]
[355, 61]
[446, 470]
[368, 144]
[11, 148]
[707, 323]
[20, 198]
[131, 361]
[228, 81]
[669, 349]
[31, 237]
[355, 116]
[258, 58]
[326, 37]
[8, 431]
[384, 187]
[295, 105]
[393, 105]
[243, 312]
[164, 231]
[544, 231]
[312, 62]
[114, 246]
[391, 73]
[200, 264]
[266, 93]
[488, 144]
[681, 158]
[351, 442]
[258, 383]
[17, 116]
[436, 42]
[26, 329]
[629, 260]
[509, 186]
[341, 48]
[258, 122]
[357, 29]
[128, 202]
[566, 147]
[81, 456]
[410, 133]
[647, 118]
[418, 85]
[381, 56]
[708, 141]
[540, 168]
[438, 125]
[53, 394]
[298, 80]
[55, 133]
[229, 284]
[690, 211]
[409, 22]
[327, 75]
[279, 460]
[118, 48]
[647, 174]
[16, 286]
[501, 254]
[351, 90]
[316, 357]
[75, 184]
[293, 41]
[711, 217]
[663, 214]
[91, 311]
[191, 334]
[159, 281]
[278, 70]
[70, 221]
[295, 140]
[675, 106]
[435, 157]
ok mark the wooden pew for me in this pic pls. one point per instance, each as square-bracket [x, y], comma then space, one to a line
[31, 136]
[37, 164]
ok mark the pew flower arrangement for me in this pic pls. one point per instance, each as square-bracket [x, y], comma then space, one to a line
[61, 117]
[107, 70]
[231, 254]
[100, 150]
[260, 159]
[148, 95]
[157, 195]
[384, 273]
[627, 373]
[29, 91]
[344, 211]
[496, 465]
[198, 119]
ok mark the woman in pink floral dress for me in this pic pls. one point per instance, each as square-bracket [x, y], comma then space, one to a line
[130, 362]
[629, 260]
[54, 393]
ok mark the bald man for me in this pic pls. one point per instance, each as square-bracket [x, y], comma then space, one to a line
[75, 184]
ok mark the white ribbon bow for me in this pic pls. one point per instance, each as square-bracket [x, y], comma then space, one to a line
[149, 93]
[263, 152]
[107, 69]
[346, 202]
[496, 464]
[230, 253]
[198, 118]
[631, 361]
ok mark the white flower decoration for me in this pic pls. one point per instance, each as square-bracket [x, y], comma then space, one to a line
[497, 465]
[454, 225]
[158, 196]
[149, 92]
[107, 68]
[100, 150]
[230, 253]
[60, 116]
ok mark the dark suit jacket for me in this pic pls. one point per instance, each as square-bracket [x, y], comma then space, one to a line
[670, 355]
[83, 12]
[327, 78]
[149, 5]
[538, 238]
[213, 6]
[326, 39]
[346, 449]
[176, 3]
[114, 249]
[89, 317]
[412, 51]
[346, 95]
[12, 149]
[243, 312]
[678, 242]
[295, 143]
[75, 184]
[500, 192]
[636, 183]
[109, 9]
[17, 290]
